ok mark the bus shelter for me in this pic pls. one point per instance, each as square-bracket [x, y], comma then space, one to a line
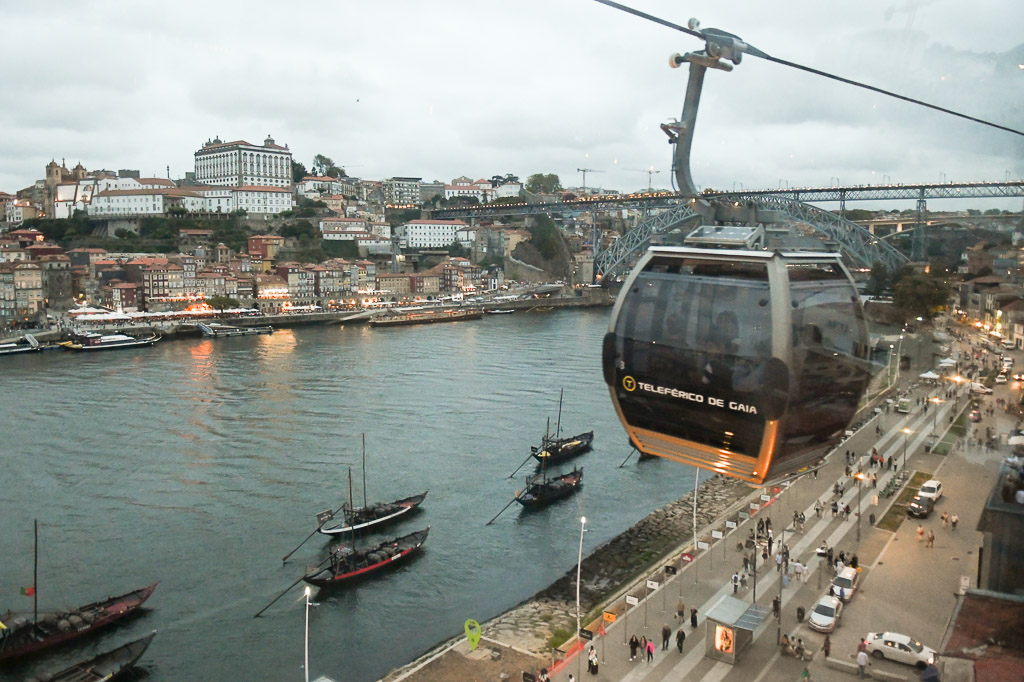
[731, 624]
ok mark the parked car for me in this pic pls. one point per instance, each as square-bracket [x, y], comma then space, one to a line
[975, 416]
[826, 614]
[931, 488]
[921, 507]
[900, 648]
[1019, 376]
[845, 584]
[980, 388]
[1001, 379]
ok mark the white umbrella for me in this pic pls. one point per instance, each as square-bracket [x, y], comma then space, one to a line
[929, 375]
[1015, 440]
[948, 362]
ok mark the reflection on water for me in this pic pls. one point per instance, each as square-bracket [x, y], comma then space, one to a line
[201, 462]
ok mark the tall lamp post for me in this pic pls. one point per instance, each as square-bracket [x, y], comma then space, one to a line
[935, 417]
[859, 477]
[305, 660]
[579, 565]
[906, 436]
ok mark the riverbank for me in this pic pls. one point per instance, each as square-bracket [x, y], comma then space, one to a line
[613, 569]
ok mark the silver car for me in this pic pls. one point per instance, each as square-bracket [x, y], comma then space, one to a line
[826, 614]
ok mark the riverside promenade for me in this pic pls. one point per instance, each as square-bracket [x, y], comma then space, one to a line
[905, 587]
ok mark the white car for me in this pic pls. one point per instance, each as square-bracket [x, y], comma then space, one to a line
[980, 388]
[900, 648]
[1001, 379]
[932, 489]
[826, 614]
[845, 584]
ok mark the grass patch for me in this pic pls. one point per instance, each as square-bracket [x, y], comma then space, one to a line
[893, 518]
[559, 636]
[547, 617]
[897, 513]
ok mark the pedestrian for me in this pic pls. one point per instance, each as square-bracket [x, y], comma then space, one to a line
[829, 554]
[953, 521]
[817, 508]
[592, 663]
[835, 508]
[778, 562]
[650, 651]
[862, 663]
[634, 644]
[743, 581]
[930, 542]
[920, 532]
[666, 635]
[776, 607]
[693, 618]
[890, 462]
[862, 646]
[945, 518]
[571, 678]
[826, 647]
[874, 480]
[681, 610]
[735, 583]
[746, 564]
[680, 638]
[544, 675]
[643, 646]
[846, 511]
[764, 555]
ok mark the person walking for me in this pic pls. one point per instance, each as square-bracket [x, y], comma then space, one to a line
[776, 606]
[835, 508]
[643, 646]
[930, 542]
[634, 644]
[826, 647]
[862, 663]
[680, 638]
[945, 518]
[592, 663]
[778, 562]
[681, 610]
[953, 519]
[817, 508]
[693, 618]
[666, 635]
[650, 651]
[920, 532]
[735, 583]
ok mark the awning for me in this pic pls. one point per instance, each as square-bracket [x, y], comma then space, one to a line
[929, 375]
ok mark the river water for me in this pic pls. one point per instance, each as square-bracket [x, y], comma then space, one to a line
[200, 463]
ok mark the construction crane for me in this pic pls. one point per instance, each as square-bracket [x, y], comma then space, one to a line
[585, 171]
[650, 172]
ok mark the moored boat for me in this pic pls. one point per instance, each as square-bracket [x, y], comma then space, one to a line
[24, 636]
[216, 330]
[557, 450]
[379, 514]
[92, 341]
[502, 311]
[427, 317]
[541, 490]
[26, 344]
[347, 564]
[106, 666]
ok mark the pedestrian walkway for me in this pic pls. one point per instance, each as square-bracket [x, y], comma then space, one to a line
[704, 581]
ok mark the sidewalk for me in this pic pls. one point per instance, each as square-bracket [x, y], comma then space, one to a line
[890, 596]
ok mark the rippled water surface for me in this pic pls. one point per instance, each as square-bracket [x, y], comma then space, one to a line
[201, 463]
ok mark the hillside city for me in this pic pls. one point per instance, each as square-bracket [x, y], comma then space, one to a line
[250, 226]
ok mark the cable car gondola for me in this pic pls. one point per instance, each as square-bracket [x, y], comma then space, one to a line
[747, 363]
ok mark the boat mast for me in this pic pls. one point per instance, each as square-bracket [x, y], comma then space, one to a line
[364, 471]
[349, 489]
[35, 573]
[558, 427]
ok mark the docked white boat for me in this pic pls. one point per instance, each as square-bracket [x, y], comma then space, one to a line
[90, 341]
[217, 330]
[26, 344]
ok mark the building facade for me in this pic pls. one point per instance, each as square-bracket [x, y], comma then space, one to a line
[240, 164]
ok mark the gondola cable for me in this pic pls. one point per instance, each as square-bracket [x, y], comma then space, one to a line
[710, 34]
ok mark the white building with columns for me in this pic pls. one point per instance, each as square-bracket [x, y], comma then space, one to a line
[242, 164]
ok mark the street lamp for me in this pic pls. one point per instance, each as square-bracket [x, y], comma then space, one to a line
[906, 435]
[935, 418]
[579, 565]
[305, 662]
[859, 477]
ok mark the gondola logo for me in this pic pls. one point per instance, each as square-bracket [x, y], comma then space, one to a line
[629, 383]
[472, 633]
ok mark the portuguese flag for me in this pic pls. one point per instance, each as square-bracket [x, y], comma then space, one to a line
[28, 591]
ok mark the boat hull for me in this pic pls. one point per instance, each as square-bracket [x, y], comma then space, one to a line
[426, 318]
[564, 449]
[542, 493]
[30, 638]
[106, 666]
[368, 562]
[86, 346]
[401, 508]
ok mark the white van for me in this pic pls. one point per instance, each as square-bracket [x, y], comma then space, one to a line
[1008, 344]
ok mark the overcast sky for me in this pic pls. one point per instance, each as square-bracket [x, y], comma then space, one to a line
[441, 89]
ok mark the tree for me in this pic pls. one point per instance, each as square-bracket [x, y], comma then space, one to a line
[324, 165]
[300, 229]
[920, 295]
[298, 171]
[457, 250]
[223, 302]
[993, 211]
[539, 183]
[879, 281]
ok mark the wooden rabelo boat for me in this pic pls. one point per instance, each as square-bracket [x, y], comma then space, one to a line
[541, 490]
[557, 450]
[347, 564]
[378, 514]
[23, 637]
[106, 666]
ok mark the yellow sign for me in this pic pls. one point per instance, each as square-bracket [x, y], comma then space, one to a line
[609, 617]
[629, 383]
